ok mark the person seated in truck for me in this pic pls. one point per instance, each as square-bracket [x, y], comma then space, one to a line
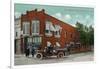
[49, 48]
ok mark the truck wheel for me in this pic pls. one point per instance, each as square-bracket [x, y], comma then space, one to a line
[39, 56]
[60, 55]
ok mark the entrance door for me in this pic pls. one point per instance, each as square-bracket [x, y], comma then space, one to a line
[17, 46]
[25, 43]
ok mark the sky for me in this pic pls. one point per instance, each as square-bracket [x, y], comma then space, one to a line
[67, 14]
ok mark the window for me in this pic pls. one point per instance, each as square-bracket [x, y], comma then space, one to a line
[47, 31]
[16, 34]
[35, 27]
[37, 40]
[29, 40]
[57, 44]
[58, 31]
[49, 28]
[26, 28]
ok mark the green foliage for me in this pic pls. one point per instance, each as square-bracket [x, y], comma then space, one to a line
[86, 34]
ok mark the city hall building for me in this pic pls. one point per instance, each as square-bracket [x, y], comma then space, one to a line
[42, 29]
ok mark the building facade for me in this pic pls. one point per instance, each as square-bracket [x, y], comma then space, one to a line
[17, 33]
[41, 29]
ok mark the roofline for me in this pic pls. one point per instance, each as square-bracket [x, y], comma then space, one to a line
[43, 11]
[60, 20]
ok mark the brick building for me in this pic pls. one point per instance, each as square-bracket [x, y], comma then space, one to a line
[42, 29]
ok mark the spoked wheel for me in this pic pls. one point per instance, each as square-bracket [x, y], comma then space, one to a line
[60, 55]
[39, 56]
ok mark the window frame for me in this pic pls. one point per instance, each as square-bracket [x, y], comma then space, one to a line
[35, 24]
[26, 28]
[47, 28]
[57, 33]
[37, 40]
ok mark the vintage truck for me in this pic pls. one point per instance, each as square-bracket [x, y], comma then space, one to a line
[51, 51]
[57, 51]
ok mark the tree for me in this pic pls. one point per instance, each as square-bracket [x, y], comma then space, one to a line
[86, 34]
[91, 35]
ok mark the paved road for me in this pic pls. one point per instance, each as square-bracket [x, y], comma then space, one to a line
[22, 60]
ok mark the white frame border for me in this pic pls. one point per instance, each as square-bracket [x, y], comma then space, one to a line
[12, 66]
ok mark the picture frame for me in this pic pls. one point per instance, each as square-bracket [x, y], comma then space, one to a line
[13, 30]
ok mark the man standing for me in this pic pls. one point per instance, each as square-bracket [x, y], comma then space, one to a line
[27, 51]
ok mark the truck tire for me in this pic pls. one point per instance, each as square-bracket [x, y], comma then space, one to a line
[39, 56]
[60, 54]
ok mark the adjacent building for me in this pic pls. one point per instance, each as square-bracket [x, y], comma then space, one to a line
[17, 33]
